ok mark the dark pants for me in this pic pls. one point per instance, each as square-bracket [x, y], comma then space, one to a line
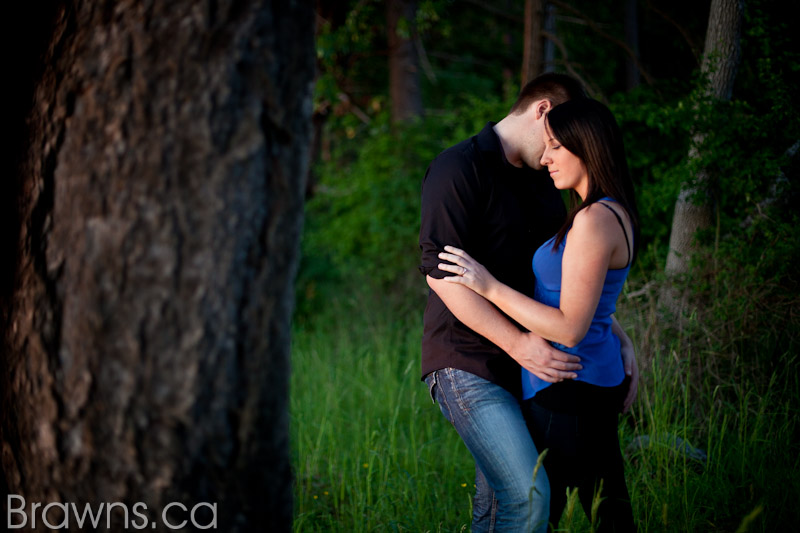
[583, 450]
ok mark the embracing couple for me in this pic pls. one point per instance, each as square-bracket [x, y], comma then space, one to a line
[520, 348]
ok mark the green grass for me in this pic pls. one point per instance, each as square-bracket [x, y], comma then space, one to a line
[372, 453]
[750, 436]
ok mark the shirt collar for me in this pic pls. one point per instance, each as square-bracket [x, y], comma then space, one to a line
[489, 144]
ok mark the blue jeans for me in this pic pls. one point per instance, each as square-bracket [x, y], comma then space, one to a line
[489, 420]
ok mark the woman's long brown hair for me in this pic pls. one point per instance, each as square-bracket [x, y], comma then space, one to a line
[587, 128]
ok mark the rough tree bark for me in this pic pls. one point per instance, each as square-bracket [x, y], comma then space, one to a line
[693, 209]
[404, 85]
[145, 344]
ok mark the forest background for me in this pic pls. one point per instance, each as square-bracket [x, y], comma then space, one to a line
[712, 442]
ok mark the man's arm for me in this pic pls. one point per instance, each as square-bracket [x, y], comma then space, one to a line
[532, 352]
[629, 361]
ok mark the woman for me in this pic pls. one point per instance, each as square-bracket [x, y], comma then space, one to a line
[579, 275]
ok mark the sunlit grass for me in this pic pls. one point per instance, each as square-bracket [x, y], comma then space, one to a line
[372, 453]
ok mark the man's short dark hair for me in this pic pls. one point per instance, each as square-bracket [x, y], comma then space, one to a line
[558, 88]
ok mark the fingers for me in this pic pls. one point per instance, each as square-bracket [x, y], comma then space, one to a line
[563, 360]
[459, 272]
[565, 357]
[457, 256]
[561, 375]
[632, 389]
[455, 259]
[449, 257]
[561, 365]
[630, 397]
[551, 375]
[455, 251]
[626, 404]
[546, 377]
[455, 269]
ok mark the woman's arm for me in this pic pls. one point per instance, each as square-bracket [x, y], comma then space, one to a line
[531, 352]
[590, 244]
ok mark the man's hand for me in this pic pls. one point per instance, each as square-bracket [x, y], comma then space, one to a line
[632, 370]
[530, 351]
[537, 356]
[629, 362]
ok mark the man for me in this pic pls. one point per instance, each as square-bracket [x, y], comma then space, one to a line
[487, 195]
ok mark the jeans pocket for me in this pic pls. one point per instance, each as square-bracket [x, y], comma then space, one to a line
[430, 380]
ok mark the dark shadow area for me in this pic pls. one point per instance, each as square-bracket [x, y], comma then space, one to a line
[29, 26]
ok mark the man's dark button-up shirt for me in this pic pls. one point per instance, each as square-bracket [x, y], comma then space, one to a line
[474, 199]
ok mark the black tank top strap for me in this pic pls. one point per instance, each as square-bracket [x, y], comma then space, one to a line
[624, 231]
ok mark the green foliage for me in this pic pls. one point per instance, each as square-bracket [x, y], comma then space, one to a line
[345, 51]
[362, 223]
[723, 378]
[738, 145]
[656, 142]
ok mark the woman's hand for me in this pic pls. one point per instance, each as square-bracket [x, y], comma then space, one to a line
[468, 271]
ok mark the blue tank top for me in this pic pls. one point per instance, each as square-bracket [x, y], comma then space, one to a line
[600, 348]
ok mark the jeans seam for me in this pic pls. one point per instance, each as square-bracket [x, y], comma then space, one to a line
[493, 514]
[443, 400]
[432, 386]
[469, 395]
[457, 393]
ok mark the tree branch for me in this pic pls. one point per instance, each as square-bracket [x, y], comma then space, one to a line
[570, 69]
[774, 193]
[423, 59]
[513, 16]
[353, 108]
[695, 49]
[599, 31]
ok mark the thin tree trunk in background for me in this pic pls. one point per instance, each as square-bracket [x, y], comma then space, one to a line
[549, 56]
[510, 82]
[722, 52]
[404, 85]
[533, 45]
[632, 74]
[145, 351]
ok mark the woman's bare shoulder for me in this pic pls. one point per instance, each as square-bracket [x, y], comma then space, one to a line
[594, 215]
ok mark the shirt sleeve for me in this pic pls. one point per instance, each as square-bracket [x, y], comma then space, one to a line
[451, 209]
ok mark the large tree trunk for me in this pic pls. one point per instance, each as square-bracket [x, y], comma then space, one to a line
[404, 86]
[146, 343]
[693, 210]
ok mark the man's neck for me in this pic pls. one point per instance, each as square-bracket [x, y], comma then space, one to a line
[504, 130]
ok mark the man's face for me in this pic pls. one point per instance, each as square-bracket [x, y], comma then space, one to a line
[533, 145]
